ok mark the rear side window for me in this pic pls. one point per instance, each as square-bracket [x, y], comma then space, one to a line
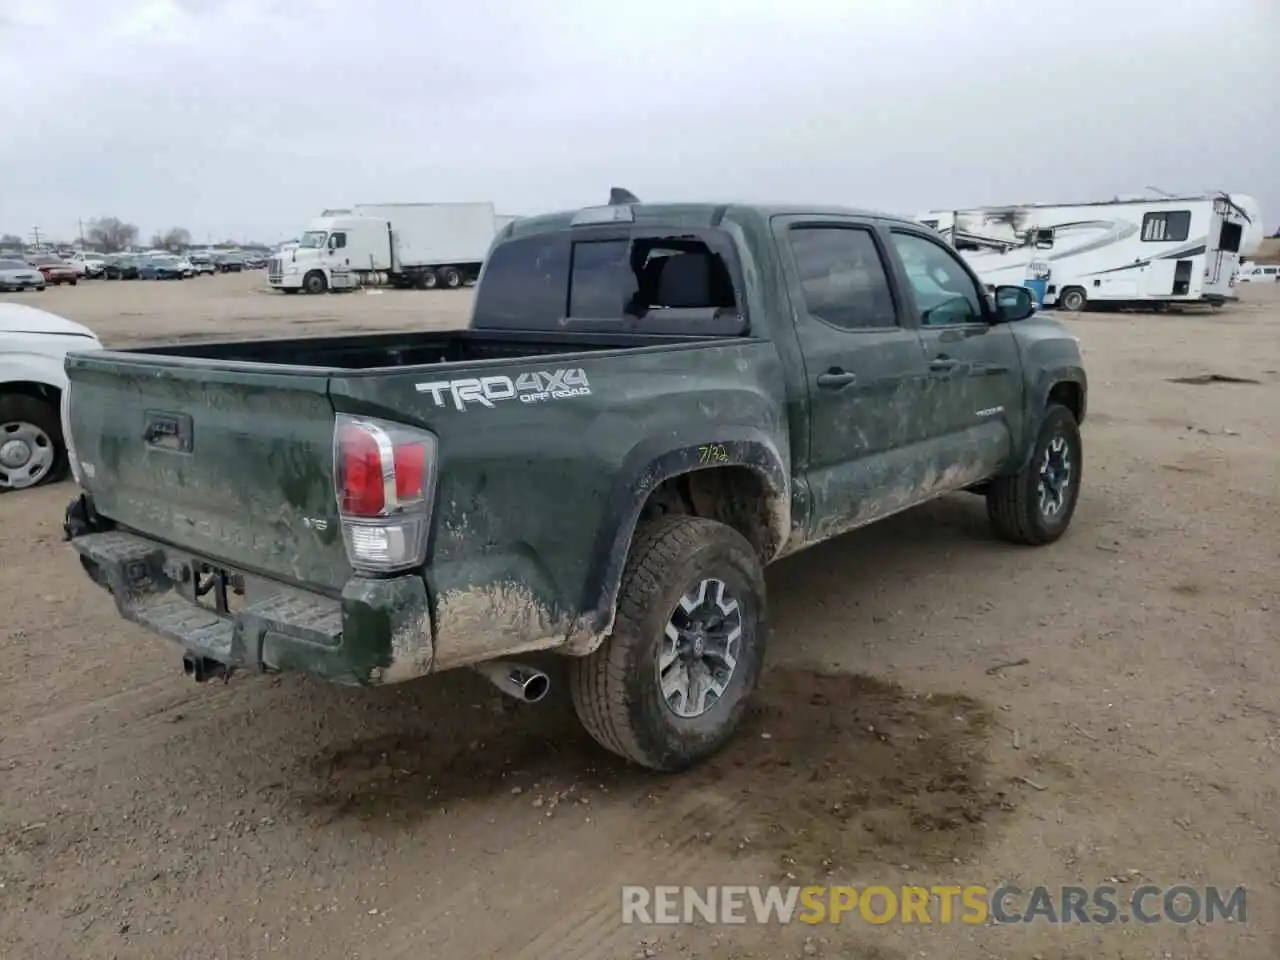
[843, 277]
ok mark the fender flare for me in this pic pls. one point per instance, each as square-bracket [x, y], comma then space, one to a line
[1038, 397]
[644, 469]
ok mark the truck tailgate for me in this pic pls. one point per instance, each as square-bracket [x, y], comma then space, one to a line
[221, 459]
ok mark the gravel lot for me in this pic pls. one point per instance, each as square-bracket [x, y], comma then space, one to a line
[144, 816]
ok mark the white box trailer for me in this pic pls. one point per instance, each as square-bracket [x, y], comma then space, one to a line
[1134, 251]
[422, 245]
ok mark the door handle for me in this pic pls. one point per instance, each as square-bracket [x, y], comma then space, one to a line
[836, 379]
[946, 365]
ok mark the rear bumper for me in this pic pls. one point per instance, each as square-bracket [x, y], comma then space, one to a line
[378, 631]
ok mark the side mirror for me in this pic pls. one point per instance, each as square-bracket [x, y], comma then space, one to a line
[1014, 303]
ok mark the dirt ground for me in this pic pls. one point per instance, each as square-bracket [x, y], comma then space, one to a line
[144, 816]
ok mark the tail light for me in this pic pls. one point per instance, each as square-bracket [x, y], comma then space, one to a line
[384, 479]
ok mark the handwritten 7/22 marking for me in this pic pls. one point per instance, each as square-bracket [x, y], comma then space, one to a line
[713, 453]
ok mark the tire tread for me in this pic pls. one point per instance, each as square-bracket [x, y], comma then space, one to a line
[598, 680]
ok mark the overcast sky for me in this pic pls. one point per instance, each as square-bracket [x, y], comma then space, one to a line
[244, 118]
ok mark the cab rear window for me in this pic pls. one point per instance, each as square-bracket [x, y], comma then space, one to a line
[656, 283]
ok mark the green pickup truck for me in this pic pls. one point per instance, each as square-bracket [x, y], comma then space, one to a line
[651, 403]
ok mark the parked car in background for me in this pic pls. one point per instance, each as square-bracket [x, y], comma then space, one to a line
[33, 348]
[122, 266]
[202, 263]
[229, 262]
[87, 265]
[1259, 273]
[19, 275]
[255, 261]
[185, 264]
[161, 267]
[56, 271]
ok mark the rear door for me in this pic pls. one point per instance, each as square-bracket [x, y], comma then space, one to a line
[864, 371]
[974, 367]
[233, 462]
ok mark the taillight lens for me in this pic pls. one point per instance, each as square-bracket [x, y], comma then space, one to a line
[361, 486]
[384, 474]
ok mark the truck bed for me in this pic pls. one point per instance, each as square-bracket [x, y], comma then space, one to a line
[384, 350]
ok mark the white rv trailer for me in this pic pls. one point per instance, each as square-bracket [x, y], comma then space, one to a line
[1145, 250]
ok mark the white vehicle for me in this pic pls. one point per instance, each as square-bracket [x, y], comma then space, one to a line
[186, 266]
[87, 265]
[33, 348]
[1145, 250]
[423, 245]
[1259, 273]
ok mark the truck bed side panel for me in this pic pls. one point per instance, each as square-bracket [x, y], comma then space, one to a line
[526, 485]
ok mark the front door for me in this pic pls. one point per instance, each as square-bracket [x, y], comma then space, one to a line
[974, 366]
[865, 373]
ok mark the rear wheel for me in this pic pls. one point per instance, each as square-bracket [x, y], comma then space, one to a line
[451, 277]
[1035, 505]
[1073, 299]
[31, 447]
[668, 688]
[428, 280]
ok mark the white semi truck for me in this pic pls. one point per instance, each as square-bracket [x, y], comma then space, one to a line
[423, 245]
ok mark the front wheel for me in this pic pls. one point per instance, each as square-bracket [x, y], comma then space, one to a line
[668, 688]
[31, 447]
[314, 282]
[1073, 299]
[1035, 505]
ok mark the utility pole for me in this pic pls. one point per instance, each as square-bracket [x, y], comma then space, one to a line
[81, 222]
[35, 235]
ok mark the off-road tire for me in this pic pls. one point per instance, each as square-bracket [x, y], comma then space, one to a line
[20, 408]
[1013, 501]
[616, 690]
[1073, 300]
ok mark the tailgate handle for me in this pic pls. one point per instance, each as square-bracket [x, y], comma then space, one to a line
[168, 431]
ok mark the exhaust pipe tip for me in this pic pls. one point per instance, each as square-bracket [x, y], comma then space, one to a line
[517, 680]
[536, 687]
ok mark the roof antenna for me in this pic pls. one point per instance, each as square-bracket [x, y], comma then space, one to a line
[619, 196]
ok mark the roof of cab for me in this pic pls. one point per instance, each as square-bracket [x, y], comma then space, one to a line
[696, 215]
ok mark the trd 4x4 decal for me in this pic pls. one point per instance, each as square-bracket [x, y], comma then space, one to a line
[532, 387]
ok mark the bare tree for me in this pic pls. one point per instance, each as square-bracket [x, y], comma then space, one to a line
[112, 234]
[10, 240]
[177, 238]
